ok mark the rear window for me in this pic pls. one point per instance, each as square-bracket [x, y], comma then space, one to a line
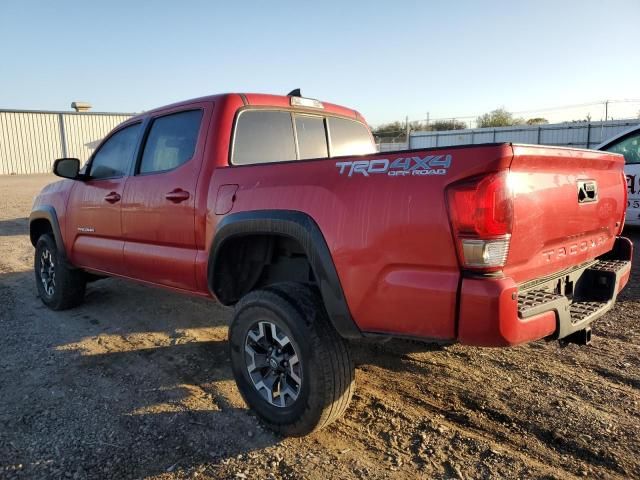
[266, 136]
[263, 136]
[349, 138]
[312, 138]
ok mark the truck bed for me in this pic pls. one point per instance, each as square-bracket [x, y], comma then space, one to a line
[390, 232]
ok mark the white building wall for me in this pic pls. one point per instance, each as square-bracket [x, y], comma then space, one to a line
[31, 140]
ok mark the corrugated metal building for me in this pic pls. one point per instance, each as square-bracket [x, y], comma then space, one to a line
[31, 140]
[579, 134]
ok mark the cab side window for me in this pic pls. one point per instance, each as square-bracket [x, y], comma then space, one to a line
[114, 157]
[629, 147]
[171, 141]
[263, 136]
[349, 138]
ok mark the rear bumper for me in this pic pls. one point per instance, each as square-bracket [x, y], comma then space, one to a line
[495, 312]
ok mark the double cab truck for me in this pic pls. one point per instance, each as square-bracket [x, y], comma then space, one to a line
[281, 207]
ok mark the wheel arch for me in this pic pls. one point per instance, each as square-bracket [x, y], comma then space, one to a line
[261, 228]
[44, 219]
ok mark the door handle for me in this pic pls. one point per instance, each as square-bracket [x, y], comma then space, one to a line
[112, 197]
[178, 195]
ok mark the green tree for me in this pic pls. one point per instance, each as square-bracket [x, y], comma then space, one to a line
[499, 117]
[396, 131]
[416, 126]
[537, 121]
[389, 129]
[452, 124]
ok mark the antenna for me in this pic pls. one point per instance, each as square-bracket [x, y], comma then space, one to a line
[294, 93]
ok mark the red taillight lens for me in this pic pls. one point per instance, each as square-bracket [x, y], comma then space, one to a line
[482, 206]
[481, 212]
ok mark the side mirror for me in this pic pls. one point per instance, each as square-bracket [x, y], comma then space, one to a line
[67, 168]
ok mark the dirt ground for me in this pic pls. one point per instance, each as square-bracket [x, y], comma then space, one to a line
[136, 383]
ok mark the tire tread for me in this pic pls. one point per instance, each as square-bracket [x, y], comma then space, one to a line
[70, 283]
[337, 379]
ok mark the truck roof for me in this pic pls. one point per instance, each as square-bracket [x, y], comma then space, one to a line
[259, 99]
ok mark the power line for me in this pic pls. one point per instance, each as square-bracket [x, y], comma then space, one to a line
[564, 107]
[431, 120]
[539, 110]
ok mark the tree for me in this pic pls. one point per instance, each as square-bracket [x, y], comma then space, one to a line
[537, 121]
[452, 124]
[390, 129]
[499, 117]
[417, 126]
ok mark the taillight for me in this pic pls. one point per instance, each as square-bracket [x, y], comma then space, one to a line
[481, 213]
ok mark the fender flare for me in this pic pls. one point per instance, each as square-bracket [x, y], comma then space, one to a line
[302, 228]
[47, 212]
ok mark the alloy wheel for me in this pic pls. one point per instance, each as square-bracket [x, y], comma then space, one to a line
[273, 364]
[47, 272]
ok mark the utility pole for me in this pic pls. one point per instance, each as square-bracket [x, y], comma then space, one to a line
[606, 110]
[406, 120]
[427, 120]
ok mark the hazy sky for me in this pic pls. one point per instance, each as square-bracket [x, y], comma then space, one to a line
[387, 59]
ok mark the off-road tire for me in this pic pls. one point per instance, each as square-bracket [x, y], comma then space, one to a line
[69, 285]
[327, 368]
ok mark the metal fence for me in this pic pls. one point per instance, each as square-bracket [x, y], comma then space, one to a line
[31, 140]
[579, 134]
[391, 146]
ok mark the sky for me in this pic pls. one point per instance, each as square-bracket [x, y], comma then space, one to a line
[388, 59]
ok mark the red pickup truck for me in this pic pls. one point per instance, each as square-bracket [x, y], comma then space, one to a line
[281, 206]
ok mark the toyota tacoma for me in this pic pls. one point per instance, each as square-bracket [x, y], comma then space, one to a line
[280, 206]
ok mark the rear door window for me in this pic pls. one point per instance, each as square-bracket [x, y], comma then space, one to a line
[171, 141]
[312, 137]
[263, 136]
[349, 138]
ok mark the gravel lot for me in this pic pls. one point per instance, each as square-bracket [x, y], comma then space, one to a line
[136, 383]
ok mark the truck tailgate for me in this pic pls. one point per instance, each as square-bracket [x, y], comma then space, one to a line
[568, 207]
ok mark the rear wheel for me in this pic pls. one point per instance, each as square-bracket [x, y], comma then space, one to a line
[291, 366]
[59, 286]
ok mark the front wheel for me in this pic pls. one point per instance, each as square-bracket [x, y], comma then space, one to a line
[291, 366]
[59, 286]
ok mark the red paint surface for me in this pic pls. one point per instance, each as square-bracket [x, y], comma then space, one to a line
[87, 208]
[552, 231]
[489, 315]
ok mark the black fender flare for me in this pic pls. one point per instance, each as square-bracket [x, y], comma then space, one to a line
[47, 212]
[302, 228]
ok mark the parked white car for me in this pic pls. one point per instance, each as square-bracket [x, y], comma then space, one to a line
[628, 144]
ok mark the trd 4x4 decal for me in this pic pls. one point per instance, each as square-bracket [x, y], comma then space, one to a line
[400, 167]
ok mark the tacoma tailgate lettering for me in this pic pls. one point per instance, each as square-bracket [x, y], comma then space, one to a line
[574, 248]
